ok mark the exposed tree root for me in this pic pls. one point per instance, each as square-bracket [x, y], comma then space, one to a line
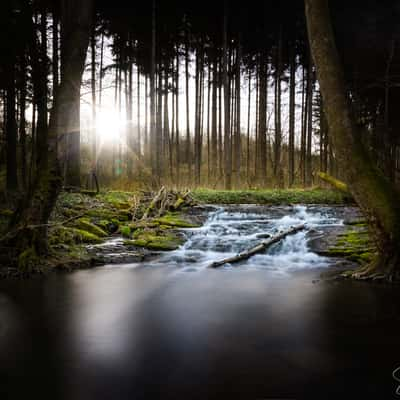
[382, 269]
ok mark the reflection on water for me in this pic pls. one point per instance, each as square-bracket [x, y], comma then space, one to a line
[152, 332]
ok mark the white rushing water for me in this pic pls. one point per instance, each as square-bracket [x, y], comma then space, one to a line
[230, 230]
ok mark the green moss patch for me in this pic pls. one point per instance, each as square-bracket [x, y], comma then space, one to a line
[355, 245]
[28, 260]
[175, 220]
[86, 225]
[154, 241]
[270, 196]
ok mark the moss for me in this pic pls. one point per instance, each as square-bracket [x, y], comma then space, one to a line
[6, 213]
[175, 220]
[81, 236]
[86, 225]
[61, 235]
[339, 185]
[156, 240]
[179, 203]
[270, 196]
[28, 260]
[125, 231]
[108, 226]
[118, 199]
[355, 245]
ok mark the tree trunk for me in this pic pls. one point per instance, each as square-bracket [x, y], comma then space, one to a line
[238, 144]
[94, 102]
[177, 133]
[208, 124]
[227, 138]
[56, 60]
[278, 173]
[197, 127]
[292, 116]
[220, 144]
[153, 133]
[372, 191]
[22, 122]
[262, 116]
[146, 116]
[214, 144]
[72, 80]
[129, 115]
[305, 104]
[310, 85]
[40, 88]
[11, 132]
[248, 129]
[28, 229]
[159, 128]
[188, 147]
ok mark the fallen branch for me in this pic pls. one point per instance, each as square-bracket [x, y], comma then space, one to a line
[258, 248]
[336, 183]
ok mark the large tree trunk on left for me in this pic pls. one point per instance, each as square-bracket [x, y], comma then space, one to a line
[28, 229]
[372, 191]
[75, 22]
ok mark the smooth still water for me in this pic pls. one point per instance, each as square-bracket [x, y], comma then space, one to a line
[173, 329]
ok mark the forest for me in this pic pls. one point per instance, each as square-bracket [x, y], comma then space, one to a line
[188, 136]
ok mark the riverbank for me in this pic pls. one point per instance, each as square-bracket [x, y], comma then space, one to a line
[88, 229]
[272, 196]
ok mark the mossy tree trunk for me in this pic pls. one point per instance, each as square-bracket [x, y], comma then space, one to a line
[372, 191]
[28, 229]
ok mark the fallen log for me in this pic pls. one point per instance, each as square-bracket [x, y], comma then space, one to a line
[336, 183]
[258, 248]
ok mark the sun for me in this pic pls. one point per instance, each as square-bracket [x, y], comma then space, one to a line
[108, 125]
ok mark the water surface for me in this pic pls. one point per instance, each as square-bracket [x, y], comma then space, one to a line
[174, 329]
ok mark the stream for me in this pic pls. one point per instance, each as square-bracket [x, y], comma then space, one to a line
[171, 328]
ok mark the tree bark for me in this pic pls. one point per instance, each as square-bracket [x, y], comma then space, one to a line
[262, 116]
[11, 132]
[177, 133]
[238, 144]
[227, 138]
[22, 122]
[28, 229]
[214, 140]
[153, 133]
[188, 147]
[292, 116]
[278, 173]
[310, 86]
[373, 192]
[94, 101]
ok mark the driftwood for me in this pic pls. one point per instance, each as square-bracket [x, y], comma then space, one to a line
[167, 200]
[258, 248]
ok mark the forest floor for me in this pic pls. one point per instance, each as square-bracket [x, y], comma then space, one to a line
[88, 229]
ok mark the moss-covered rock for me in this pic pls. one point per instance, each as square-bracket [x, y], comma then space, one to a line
[153, 241]
[355, 245]
[70, 236]
[86, 225]
[125, 231]
[109, 226]
[175, 220]
[82, 236]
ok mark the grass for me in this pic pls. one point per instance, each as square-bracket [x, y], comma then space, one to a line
[270, 196]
